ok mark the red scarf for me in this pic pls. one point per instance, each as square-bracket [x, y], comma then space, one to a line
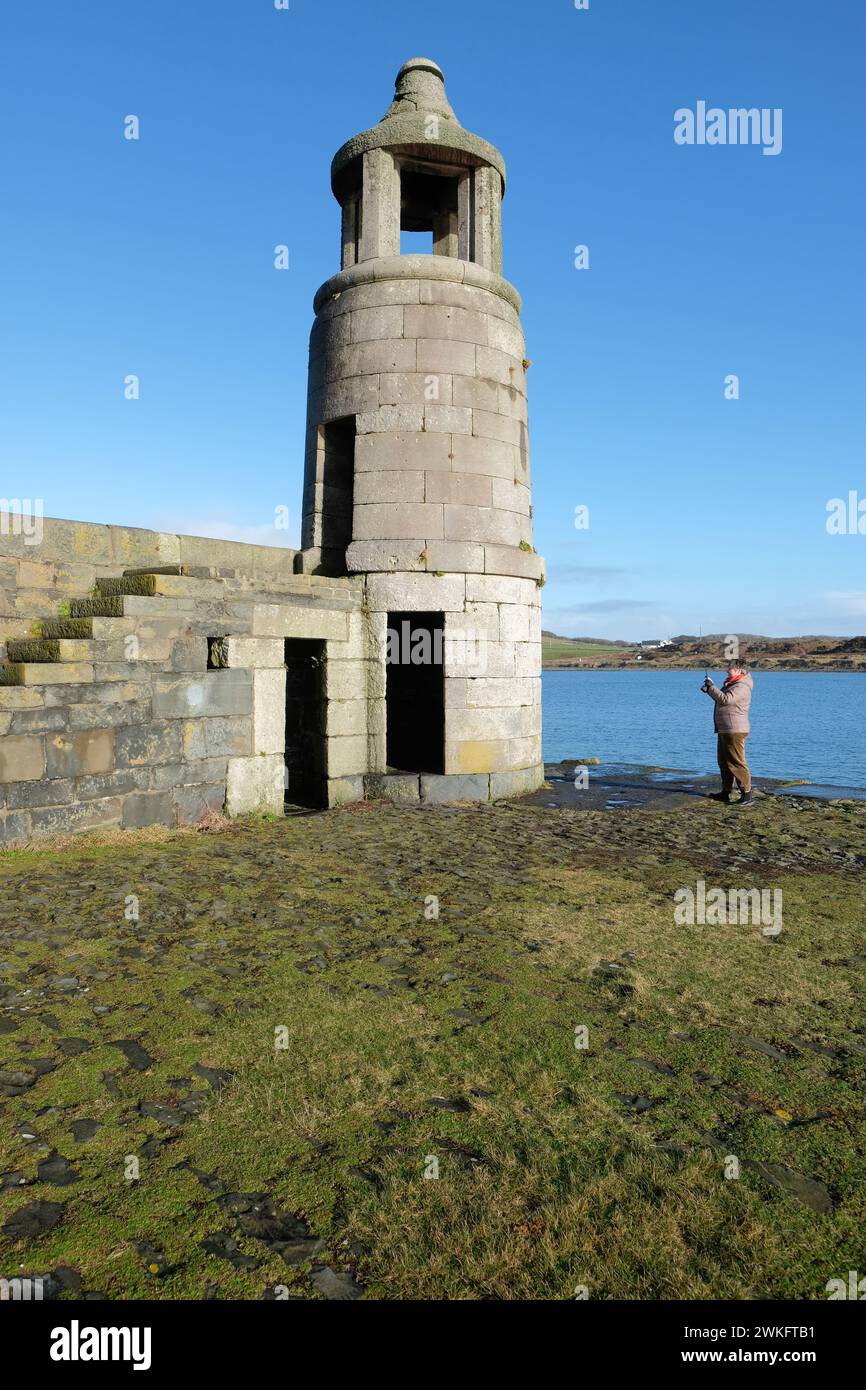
[732, 680]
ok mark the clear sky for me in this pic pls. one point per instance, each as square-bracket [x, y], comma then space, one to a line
[155, 257]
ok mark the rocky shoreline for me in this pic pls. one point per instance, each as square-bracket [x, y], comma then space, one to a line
[641, 786]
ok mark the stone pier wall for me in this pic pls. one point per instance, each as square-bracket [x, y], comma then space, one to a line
[129, 700]
[116, 720]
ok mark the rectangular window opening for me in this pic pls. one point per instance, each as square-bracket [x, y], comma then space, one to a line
[415, 692]
[338, 482]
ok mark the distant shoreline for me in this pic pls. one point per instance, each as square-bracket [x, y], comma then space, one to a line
[815, 668]
[711, 653]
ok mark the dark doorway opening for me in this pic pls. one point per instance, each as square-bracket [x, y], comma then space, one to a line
[305, 723]
[415, 692]
[338, 482]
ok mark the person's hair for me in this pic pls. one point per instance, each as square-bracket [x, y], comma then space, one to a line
[737, 666]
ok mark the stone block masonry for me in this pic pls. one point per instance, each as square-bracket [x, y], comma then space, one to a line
[146, 731]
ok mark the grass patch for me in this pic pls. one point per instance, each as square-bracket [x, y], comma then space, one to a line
[310, 1037]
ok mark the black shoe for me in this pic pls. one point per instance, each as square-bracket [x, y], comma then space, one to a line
[724, 797]
[747, 799]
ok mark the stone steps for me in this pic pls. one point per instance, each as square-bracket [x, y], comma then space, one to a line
[40, 649]
[121, 606]
[183, 582]
[187, 599]
[32, 649]
[155, 569]
[187, 571]
[46, 673]
[157, 584]
[141, 584]
[66, 648]
[66, 628]
[96, 608]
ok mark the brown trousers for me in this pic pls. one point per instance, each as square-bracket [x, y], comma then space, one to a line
[732, 762]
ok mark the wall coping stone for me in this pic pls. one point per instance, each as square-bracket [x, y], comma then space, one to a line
[100, 544]
[415, 267]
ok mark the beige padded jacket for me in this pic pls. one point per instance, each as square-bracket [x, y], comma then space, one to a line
[732, 701]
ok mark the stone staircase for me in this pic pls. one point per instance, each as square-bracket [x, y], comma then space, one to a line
[96, 630]
[160, 698]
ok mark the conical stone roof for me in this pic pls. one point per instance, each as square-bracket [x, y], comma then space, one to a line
[419, 120]
[420, 86]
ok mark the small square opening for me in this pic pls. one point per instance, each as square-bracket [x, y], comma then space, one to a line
[217, 653]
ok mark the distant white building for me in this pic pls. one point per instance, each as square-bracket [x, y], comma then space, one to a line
[654, 646]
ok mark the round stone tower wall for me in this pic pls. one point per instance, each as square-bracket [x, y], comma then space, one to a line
[433, 372]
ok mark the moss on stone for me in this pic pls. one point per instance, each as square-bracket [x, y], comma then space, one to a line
[37, 649]
[70, 628]
[96, 607]
[140, 584]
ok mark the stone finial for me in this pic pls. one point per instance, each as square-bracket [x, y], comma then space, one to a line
[419, 95]
[420, 86]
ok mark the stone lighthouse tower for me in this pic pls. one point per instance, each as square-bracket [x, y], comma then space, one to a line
[417, 458]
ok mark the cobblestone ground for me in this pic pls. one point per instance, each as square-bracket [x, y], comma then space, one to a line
[436, 1053]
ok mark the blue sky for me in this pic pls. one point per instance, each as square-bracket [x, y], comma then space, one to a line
[155, 257]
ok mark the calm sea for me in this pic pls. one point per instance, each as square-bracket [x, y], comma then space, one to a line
[803, 724]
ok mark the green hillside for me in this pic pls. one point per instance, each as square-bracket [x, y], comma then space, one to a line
[554, 648]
